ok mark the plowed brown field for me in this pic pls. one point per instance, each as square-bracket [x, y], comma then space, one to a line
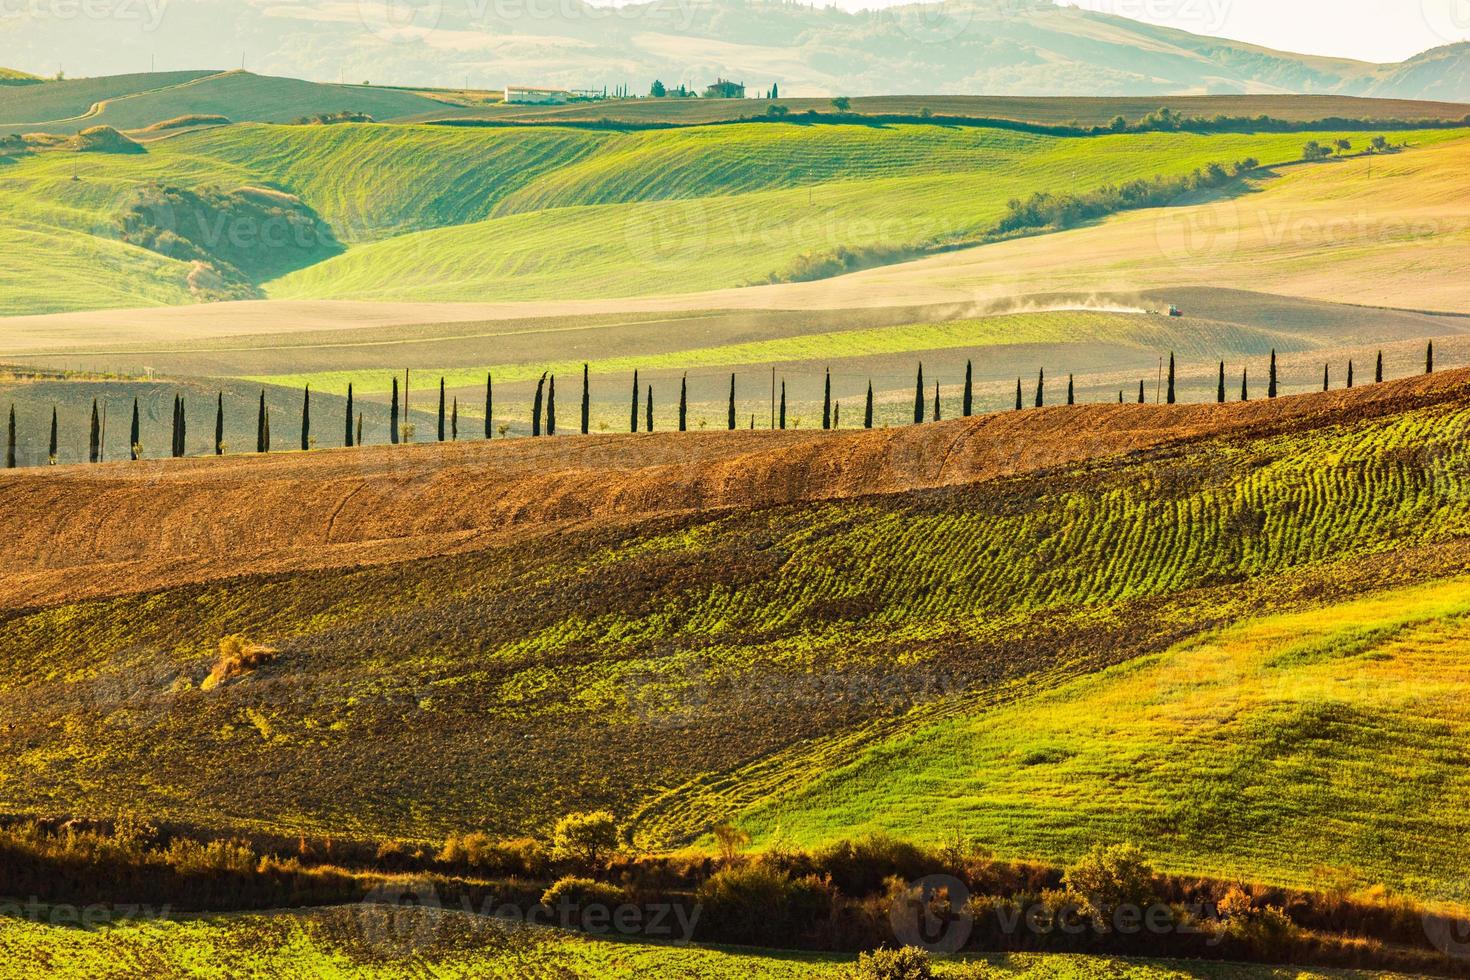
[86, 531]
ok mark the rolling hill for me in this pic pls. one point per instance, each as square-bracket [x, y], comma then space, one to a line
[851, 593]
[998, 47]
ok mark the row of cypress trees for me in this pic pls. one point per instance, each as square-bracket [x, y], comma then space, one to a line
[543, 411]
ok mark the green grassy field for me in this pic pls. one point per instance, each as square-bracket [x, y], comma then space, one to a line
[45, 107]
[440, 214]
[346, 943]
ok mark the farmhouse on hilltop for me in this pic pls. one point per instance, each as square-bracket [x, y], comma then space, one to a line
[723, 89]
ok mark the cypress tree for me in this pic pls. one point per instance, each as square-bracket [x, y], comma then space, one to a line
[836, 416]
[1171, 378]
[1120, 396]
[10, 441]
[183, 436]
[1140, 391]
[968, 402]
[359, 428]
[1071, 392]
[94, 439]
[936, 401]
[441, 409]
[1326, 378]
[551, 407]
[1271, 379]
[684, 403]
[347, 436]
[173, 430]
[51, 454]
[648, 412]
[586, 400]
[393, 426]
[1350, 374]
[219, 425]
[827, 401]
[306, 420]
[262, 427]
[1378, 372]
[919, 397]
[536, 405]
[1245, 392]
[1041, 388]
[633, 419]
[732, 403]
[489, 406]
[135, 434]
[1429, 359]
[1220, 393]
[454, 420]
[267, 430]
[1018, 394]
[783, 404]
[868, 410]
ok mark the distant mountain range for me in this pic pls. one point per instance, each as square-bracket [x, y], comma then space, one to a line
[997, 47]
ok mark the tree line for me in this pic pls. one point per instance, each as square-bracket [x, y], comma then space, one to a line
[641, 409]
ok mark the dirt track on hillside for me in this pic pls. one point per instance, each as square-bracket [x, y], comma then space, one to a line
[91, 531]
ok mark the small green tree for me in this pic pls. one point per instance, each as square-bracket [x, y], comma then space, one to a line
[730, 414]
[1071, 391]
[55, 448]
[657, 90]
[1140, 391]
[306, 420]
[551, 406]
[633, 418]
[783, 403]
[868, 410]
[1171, 378]
[1018, 394]
[1378, 371]
[1220, 390]
[1109, 878]
[135, 432]
[262, 433]
[1326, 377]
[1271, 378]
[936, 401]
[1041, 388]
[1429, 359]
[842, 103]
[1245, 391]
[94, 438]
[10, 441]
[968, 401]
[586, 400]
[684, 403]
[348, 438]
[919, 397]
[648, 405]
[1350, 374]
[393, 424]
[827, 401]
[536, 404]
[585, 840]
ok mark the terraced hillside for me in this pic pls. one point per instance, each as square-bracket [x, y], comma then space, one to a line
[772, 604]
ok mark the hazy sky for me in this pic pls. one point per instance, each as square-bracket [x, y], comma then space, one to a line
[1373, 30]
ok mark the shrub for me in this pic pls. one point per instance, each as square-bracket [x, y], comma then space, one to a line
[581, 893]
[906, 963]
[730, 839]
[522, 856]
[585, 839]
[236, 658]
[757, 904]
[1109, 877]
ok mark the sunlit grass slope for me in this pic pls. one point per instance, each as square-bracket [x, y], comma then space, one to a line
[1304, 748]
[349, 943]
[60, 105]
[663, 241]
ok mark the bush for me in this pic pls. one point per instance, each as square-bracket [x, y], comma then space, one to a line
[236, 658]
[759, 905]
[519, 857]
[907, 963]
[581, 893]
[1109, 877]
[585, 839]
